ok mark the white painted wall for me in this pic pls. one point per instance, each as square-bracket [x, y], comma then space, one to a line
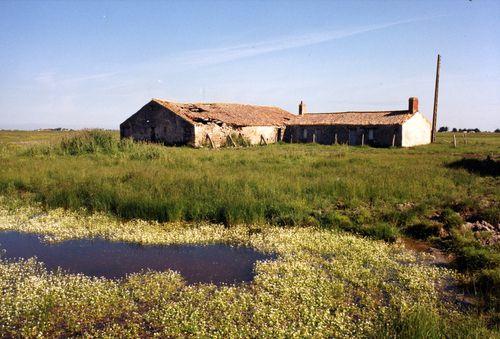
[416, 131]
[219, 134]
[253, 133]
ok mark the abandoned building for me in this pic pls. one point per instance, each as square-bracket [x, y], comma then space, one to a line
[210, 124]
[218, 124]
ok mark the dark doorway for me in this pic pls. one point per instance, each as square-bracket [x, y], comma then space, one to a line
[353, 137]
[153, 134]
[280, 134]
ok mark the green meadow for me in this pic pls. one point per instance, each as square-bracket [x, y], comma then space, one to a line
[333, 214]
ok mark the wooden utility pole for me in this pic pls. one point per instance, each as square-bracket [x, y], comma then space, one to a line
[436, 94]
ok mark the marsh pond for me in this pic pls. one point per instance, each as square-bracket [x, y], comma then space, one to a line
[218, 263]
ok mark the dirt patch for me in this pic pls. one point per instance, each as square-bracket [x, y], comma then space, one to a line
[449, 290]
[432, 255]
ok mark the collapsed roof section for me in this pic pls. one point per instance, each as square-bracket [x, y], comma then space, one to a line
[230, 114]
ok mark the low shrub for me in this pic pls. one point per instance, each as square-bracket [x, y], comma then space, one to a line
[474, 258]
[381, 230]
[39, 150]
[487, 282]
[334, 219]
[419, 322]
[490, 214]
[450, 218]
[148, 152]
[361, 216]
[88, 142]
[423, 229]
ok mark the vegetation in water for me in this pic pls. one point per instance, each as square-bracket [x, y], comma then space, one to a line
[323, 284]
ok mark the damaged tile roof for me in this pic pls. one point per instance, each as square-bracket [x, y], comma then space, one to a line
[353, 118]
[231, 114]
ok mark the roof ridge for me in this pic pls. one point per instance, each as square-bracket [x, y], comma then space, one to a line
[212, 103]
[231, 113]
[361, 112]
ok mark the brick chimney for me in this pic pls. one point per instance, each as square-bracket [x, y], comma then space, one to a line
[413, 104]
[302, 108]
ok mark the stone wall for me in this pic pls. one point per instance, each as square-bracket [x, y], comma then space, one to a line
[155, 123]
[271, 134]
[380, 135]
[219, 134]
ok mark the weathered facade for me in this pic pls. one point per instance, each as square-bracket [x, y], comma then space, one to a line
[202, 124]
[219, 124]
[155, 123]
[378, 128]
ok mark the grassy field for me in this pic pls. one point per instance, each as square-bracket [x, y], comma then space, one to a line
[323, 284]
[296, 200]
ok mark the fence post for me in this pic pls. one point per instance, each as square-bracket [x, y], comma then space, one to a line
[454, 140]
[314, 138]
[394, 140]
[465, 138]
[335, 138]
[363, 139]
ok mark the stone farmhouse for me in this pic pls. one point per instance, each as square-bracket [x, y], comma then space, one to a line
[220, 124]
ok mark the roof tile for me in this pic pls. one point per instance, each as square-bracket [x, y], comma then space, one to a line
[231, 114]
[353, 118]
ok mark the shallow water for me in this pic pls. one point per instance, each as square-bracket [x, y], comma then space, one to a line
[218, 264]
[439, 258]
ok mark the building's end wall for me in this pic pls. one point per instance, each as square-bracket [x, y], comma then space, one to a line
[155, 123]
[416, 131]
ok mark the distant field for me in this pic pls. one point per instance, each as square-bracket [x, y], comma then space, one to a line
[299, 196]
[32, 137]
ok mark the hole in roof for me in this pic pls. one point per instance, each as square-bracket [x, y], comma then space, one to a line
[195, 109]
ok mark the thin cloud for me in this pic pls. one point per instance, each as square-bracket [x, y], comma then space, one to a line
[52, 79]
[225, 54]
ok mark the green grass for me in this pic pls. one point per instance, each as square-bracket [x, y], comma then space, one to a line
[278, 184]
[322, 284]
[426, 192]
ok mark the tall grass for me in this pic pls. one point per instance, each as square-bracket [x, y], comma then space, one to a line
[277, 184]
[96, 142]
[378, 193]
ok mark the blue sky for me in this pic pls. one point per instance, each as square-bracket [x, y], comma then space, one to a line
[92, 64]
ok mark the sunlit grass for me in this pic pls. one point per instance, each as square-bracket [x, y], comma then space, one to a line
[323, 284]
[278, 184]
[294, 200]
